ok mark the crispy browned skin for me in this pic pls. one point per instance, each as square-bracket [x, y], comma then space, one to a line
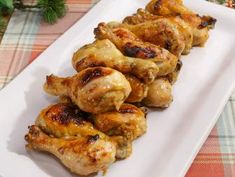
[105, 53]
[162, 32]
[139, 89]
[159, 94]
[130, 45]
[93, 90]
[200, 25]
[184, 28]
[65, 120]
[128, 122]
[167, 7]
[81, 155]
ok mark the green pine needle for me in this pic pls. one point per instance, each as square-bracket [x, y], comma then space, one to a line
[6, 7]
[60, 8]
[2, 25]
[49, 15]
[52, 9]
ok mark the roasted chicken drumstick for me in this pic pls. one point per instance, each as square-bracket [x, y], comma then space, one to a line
[129, 121]
[82, 155]
[184, 28]
[65, 119]
[93, 90]
[130, 45]
[162, 32]
[200, 25]
[104, 53]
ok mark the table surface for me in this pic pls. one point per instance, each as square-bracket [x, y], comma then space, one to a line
[27, 36]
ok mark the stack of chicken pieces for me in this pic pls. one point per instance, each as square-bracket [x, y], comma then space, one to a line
[135, 61]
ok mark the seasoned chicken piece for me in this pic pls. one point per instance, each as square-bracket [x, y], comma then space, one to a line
[186, 30]
[167, 7]
[159, 94]
[139, 89]
[130, 45]
[83, 155]
[104, 53]
[200, 25]
[172, 77]
[93, 90]
[65, 120]
[129, 121]
[123, 147]
[162, 32]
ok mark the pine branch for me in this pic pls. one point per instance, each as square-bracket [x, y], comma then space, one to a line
[6, 7]
[2, 25]
[52, 9]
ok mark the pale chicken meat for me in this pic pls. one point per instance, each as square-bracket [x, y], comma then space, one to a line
[162, 32]
[130, 45]
[83, 155]
[200, 25]
[184, 28]
[105, 53]
[93, 90]
[159, 94]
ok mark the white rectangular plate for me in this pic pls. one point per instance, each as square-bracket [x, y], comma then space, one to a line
[174, 135]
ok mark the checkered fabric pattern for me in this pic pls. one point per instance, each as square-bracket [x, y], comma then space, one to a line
[27, 36]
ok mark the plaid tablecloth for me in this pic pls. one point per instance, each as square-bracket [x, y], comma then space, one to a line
[27, 36]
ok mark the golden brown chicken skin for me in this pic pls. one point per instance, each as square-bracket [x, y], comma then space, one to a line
[129, 121]
[167, 7]
[105, 53]
[172, 77]
[185, 29]
[139, 89]
[65, 120]
[162, 32]
[81, 155]
[93, 90]
[159, 94]
[200, 25]
[130, 45]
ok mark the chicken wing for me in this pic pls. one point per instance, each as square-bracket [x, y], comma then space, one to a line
[159, 94]
[129, 122]
[83, 155]
[104, 53]
[93, 90]
[130, 45]
[200, 25]
[185, 29]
